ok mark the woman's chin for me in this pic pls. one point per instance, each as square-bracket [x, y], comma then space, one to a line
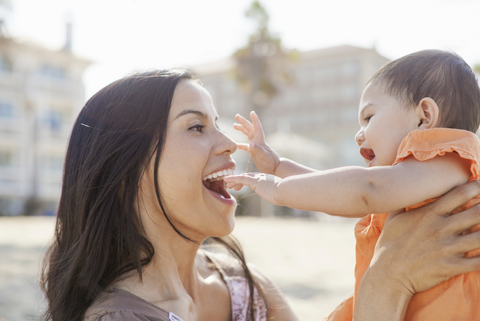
[226, 228]
[225, 221]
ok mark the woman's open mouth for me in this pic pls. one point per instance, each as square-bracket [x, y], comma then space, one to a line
[214, 183]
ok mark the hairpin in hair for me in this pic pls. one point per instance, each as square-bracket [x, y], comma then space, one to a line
[92, 128]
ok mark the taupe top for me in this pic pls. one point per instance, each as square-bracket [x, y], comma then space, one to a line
[116, 304]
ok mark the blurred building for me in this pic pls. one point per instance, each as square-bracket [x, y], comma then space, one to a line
[313, 120]
[40, 93]
[321, 103]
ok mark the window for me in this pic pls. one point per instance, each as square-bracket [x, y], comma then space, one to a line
[6, 158]
[5, 64]
[53, 72]
[6, 110]
[55, 120]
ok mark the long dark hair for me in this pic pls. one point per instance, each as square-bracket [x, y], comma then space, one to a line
[99, 235]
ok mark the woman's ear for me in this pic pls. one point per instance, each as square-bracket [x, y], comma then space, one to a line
[427, 111]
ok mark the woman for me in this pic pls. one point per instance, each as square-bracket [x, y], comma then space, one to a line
[142, 190]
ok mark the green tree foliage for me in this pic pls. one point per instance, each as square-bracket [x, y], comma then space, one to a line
[261, 66]
[476, 69]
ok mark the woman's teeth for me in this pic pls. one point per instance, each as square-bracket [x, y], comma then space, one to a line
[218, 175]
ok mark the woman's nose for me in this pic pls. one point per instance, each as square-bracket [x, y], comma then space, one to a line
[227, 145]
[360, 137]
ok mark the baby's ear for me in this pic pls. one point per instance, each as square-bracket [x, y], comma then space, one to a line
[427, 110]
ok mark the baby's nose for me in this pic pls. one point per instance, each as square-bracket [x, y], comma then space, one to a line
[360, 137]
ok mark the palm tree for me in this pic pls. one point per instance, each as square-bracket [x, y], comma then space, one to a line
[476, 69]
[261, 64]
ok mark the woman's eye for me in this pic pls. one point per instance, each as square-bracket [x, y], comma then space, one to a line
[197, 128]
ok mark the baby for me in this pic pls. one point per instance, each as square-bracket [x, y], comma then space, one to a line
[418, 117]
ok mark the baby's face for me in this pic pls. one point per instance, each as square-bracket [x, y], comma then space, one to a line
[384, 122]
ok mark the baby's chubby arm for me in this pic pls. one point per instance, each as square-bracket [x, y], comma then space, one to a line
[264, 157]
[357, 191]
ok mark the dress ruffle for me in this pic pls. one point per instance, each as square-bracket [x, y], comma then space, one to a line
[427, 144]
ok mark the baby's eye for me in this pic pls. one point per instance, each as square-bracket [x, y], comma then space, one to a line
[367, 119]
[197, 128]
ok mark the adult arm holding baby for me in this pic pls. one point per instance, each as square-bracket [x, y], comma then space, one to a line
[416, 251]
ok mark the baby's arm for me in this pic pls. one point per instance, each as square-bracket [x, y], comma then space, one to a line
[357, 191]
[264, 157]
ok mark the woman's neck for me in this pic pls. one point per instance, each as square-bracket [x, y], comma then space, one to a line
[172, 273]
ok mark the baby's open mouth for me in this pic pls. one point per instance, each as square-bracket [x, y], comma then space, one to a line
[367, 153]
[215, 183]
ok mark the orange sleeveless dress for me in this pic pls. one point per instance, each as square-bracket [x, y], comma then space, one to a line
[456, 299]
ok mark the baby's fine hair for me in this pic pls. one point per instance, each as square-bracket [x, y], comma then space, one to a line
[442, 76]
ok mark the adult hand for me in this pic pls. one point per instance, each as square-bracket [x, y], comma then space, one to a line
[418, 250]
[427, 245]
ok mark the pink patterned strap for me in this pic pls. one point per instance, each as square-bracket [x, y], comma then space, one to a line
[237, 284]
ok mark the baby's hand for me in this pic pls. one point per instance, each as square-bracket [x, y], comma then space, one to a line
[265, 158]
[263, 184]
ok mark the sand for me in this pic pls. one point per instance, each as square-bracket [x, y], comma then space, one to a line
[311, 261]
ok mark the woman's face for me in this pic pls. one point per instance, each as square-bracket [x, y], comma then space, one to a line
[194, 151]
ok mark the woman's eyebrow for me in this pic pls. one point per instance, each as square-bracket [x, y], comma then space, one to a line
[191, 111]
[196, 112]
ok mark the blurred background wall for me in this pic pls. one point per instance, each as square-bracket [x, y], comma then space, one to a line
[307, 97]
[40, 94]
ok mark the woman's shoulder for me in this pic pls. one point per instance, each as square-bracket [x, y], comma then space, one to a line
[229, 266]
[226, 264]
[122, 316]
[116, 304]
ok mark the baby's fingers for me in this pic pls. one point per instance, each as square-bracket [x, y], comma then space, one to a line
[256, 122]
[243, 146]
[244, 122]
[252, 148]
[234, 186]
[244, 180]
[242, 129]
[233, 180]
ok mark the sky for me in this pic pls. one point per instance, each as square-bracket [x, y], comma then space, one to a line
[122, 36]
